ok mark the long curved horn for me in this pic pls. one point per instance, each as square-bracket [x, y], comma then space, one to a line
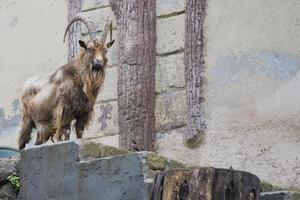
[88, 23]
[105, 30]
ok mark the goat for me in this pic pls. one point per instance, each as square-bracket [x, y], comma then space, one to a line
[50, 103]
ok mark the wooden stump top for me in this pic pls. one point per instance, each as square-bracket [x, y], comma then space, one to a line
[206, 184]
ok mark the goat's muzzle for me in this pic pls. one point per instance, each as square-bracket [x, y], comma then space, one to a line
[97, 64]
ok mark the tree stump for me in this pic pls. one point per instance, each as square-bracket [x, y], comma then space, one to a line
[206, 184]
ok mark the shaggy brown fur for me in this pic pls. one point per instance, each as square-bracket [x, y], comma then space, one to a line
[52, 102]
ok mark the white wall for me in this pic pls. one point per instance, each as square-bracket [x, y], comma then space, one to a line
[31, 33]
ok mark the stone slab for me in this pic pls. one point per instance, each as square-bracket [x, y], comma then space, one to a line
[170, 34]
[169, 7]
[278, 195]
[169, 72]
[170, 110]
[94, 4]
[105, 120]
[55, 172]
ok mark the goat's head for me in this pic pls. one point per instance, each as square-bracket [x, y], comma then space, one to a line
[94, 51]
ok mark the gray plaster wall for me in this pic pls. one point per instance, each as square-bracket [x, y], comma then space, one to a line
[31, 44]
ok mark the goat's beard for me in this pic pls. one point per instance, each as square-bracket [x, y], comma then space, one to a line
[93, 80]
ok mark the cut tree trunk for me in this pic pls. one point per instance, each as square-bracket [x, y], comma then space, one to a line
[194, 70]
[74, 7]
[206, 184]
[136, 20]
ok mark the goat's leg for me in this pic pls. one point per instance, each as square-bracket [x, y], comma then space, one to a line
[38, 140]
[25, 132]
[81, 123]
[63, 121]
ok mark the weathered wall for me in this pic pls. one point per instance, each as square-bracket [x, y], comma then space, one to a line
[31, 44]
[252, 91]
[252, 59]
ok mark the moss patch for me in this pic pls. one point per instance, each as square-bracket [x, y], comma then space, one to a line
[156, 162]
[296, 196]
[97, 150]
[267, 187]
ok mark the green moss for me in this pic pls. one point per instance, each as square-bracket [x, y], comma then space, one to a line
[296, 196]
[267, 187]
[97, 150]
[156, 162]
[173, 164]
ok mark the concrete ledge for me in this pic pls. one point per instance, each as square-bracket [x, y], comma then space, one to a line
[55, 172]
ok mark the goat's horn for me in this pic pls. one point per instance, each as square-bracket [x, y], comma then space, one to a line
[105, 30]
[87, 21]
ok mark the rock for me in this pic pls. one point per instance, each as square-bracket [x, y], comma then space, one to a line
[7, 168]
[7, 192]
[278, 195]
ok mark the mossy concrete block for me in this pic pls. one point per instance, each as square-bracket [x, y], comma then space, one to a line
[295, 195]
[160, 163]
[56, 172]
[268, 187]
[92, 150]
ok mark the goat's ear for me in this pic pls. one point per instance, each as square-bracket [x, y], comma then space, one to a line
[82, 44]
[108, 45]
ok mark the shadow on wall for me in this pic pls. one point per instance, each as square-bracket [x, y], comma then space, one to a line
[9, 124]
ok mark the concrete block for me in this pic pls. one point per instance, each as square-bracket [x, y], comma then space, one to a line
[105, 121]
[278, 195]
[94, 4]
[170, 110]
[54, 172]
[169, 7]
[49, 172]
[169, 72]
[109, 89]
[170, 34]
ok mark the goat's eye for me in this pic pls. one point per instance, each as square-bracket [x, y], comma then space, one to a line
[91, 49]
